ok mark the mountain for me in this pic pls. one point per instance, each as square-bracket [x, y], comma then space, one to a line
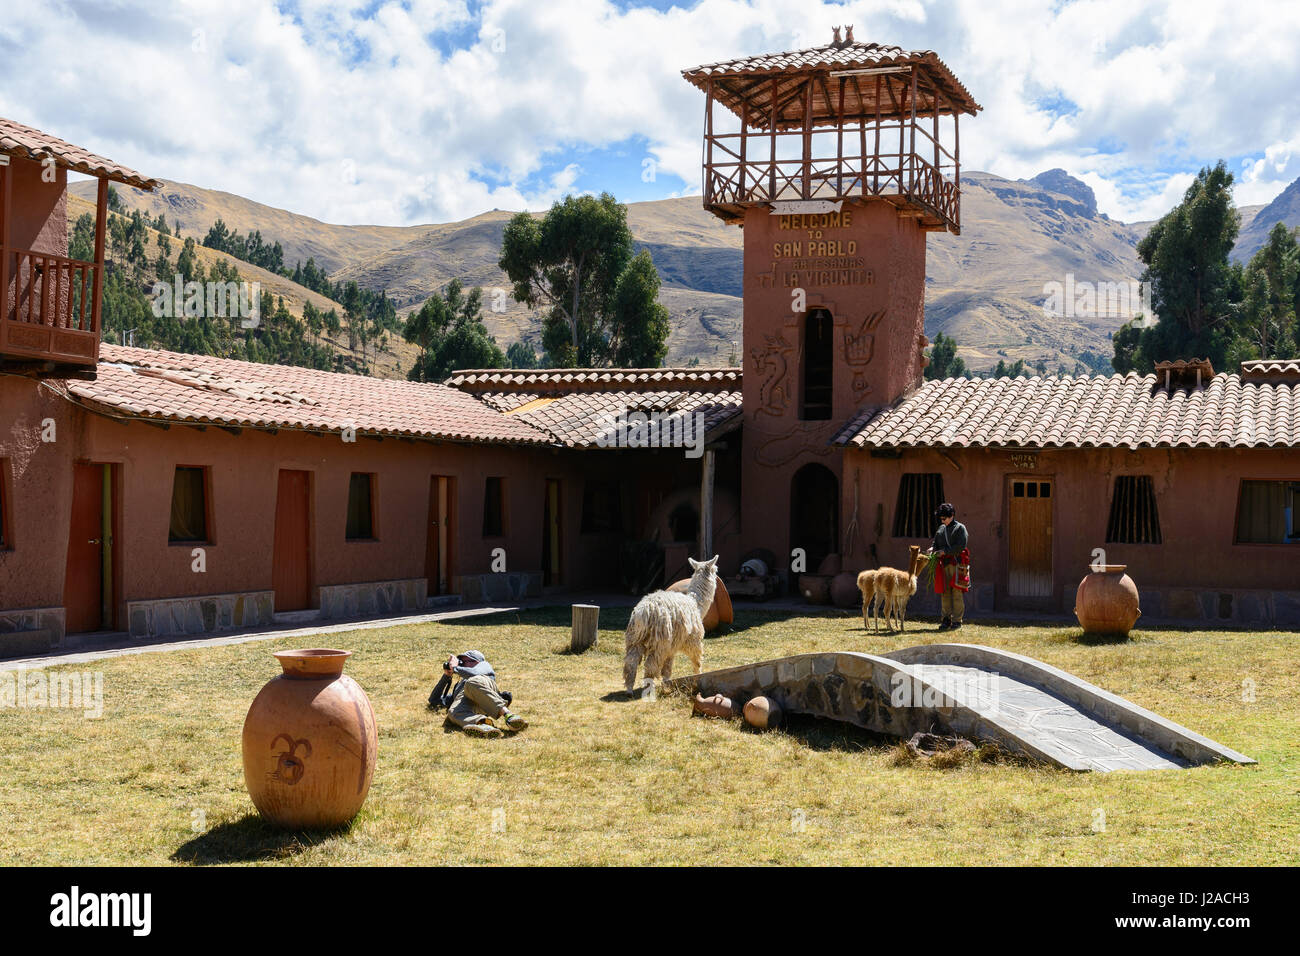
[1284, 209]
[985, 287]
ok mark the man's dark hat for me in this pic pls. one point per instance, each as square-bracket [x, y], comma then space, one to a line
[945, 511]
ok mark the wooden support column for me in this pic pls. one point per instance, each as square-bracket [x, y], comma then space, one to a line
[839, 144]
[101, 227]
[912, 148]
[708, 468]
[708, 140]
[807, 142]
[6, 214]
[771, 185]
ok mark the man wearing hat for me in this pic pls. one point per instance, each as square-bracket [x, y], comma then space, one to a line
[950, 545]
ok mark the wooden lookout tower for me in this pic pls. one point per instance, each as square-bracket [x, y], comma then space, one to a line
[848, 120]
[837, 161]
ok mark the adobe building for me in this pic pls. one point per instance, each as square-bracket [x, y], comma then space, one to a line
[160, 494]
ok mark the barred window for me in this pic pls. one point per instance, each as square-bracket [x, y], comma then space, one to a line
[1134, 518]
[919, 497]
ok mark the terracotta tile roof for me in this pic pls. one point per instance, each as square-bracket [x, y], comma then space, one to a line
[576, 405]
[1128, 411]
[199, 389]
[578, 419]
[19, 140]
[1276, 370]
[852, 55]
[565, 380]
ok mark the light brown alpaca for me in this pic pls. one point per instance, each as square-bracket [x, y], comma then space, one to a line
[867, 585]
[894, 588]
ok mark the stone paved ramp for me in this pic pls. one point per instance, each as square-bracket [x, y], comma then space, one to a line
[1056, 727]
[978, 692]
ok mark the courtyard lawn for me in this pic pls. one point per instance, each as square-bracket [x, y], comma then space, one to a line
[601, 780]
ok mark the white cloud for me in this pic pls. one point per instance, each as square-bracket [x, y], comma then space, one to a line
[355, 118]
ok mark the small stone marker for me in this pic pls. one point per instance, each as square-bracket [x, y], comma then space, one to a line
[586, 618]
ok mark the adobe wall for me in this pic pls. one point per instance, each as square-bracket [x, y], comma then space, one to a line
[866, 265]
[1182, 578]
[40, 215]
[243, 481]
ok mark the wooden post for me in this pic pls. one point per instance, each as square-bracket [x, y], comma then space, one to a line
[101, 227]
[708, 139]
[771, 184]
[806, 192]
[586, 618]
[911, 159]
[708, 468]
[6, 213]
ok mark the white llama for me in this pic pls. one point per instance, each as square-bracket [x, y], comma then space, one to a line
[665, 623]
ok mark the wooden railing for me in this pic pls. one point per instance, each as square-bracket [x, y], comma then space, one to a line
[49, 308]
[854, 165]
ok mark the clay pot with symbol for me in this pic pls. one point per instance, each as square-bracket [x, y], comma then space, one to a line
[310, 742]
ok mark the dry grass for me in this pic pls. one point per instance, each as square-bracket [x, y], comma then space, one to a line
[600, 780]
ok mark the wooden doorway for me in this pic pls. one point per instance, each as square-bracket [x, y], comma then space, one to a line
[441, 535]
[291, 570]
[1029, 538]
[551, 535]
[88, 576]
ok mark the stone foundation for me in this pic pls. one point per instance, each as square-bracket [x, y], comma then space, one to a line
[208, 614]
[30, 631]
[1232, 608]
[373, 598]
[505, 586]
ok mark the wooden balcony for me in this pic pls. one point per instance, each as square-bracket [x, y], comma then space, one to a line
[845, 167]
[50, 319]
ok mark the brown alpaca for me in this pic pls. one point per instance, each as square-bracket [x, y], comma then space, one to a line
[894, 588]
[867, 585]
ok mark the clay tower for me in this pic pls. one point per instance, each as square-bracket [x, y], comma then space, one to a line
[836, 161]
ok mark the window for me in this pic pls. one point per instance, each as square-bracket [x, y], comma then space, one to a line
[361, 507]
[189, 520]
[818, 366]
[684, 523]
[919, 497]
[1266, 512]
[602, 507]
[1031, 489]
[494, 508]
[1133, 515]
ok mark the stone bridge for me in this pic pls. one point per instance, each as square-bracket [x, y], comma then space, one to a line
[977, 692]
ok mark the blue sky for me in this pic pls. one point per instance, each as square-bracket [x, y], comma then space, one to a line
[403, 111]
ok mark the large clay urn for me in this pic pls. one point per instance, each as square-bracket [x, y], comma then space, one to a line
[719, 611]
[1107, 601]
[844, 590]
[310, 742]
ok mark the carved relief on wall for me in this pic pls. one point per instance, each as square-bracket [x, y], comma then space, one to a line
[859, 349]
[772, 363]
[773, 449]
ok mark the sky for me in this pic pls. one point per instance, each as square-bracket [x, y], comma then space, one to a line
[399, 112]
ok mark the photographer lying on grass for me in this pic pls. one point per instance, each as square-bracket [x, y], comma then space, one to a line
[477, 701]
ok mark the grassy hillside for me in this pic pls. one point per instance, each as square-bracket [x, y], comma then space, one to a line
[985, 287]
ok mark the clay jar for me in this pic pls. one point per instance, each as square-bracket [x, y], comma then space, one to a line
[720, 611]
[844, 590]
[310, 742]
[762, 712]
[1107, 601]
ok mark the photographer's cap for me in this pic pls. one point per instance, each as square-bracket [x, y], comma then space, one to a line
[945, 511]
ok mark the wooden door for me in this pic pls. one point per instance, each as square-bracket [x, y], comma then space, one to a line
[551, 549]
[1029, 541]
[441, 534]
[291, 570]
[89, 550]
